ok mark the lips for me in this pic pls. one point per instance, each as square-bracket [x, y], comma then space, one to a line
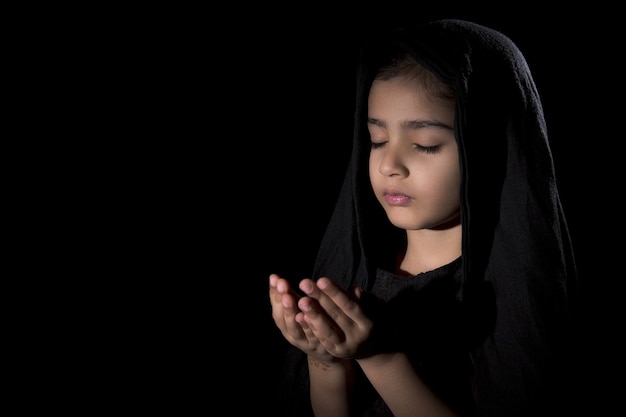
[397, 199]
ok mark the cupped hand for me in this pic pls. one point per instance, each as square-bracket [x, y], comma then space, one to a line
[291, 322]
[337, 319]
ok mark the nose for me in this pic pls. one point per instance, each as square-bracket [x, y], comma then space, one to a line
[391, 163]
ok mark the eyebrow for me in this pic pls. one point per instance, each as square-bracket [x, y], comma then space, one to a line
[412, 124]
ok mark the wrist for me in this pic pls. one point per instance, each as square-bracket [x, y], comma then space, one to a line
[376, 360]
[326, 366]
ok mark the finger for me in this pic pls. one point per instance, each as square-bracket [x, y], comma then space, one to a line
[284, 309]
[275, 295]
[277, 289]
[339, 322]
[347, 304]
[314, 347]
[311, 290]
[291, 322]
[325, 329]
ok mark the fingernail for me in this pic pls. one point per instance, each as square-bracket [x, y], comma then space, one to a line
[306, 287]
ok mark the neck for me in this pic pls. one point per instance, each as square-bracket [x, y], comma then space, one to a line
[428, 249]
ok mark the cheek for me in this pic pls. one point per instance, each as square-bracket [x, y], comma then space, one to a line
[375, 160]
[377, 181]
[446, 186]
[373, 182]
[372, 170]
[450, 177]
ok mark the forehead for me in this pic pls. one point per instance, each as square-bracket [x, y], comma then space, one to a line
[406, 97]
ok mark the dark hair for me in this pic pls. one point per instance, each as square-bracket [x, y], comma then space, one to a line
[405, 65]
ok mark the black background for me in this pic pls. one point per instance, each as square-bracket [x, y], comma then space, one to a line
[243, 127]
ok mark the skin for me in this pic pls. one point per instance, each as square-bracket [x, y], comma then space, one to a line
[414, 172]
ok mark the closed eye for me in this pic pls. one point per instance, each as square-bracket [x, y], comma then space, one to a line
[419, 148]
[427, 149]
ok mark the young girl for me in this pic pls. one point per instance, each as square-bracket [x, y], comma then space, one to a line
[445, 282]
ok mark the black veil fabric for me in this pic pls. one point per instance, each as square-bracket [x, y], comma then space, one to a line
[519, 288]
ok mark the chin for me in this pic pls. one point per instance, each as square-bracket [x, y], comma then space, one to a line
[405, 223]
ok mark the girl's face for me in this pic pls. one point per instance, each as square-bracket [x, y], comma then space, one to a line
[414, 163]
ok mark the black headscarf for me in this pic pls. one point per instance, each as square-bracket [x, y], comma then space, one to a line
[519, 277]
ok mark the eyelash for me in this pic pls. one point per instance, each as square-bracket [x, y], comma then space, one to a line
[419, 148]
